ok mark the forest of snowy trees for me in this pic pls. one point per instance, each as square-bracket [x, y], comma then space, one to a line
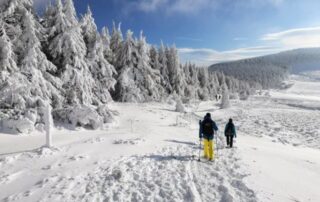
[260, 71]
[67, 62]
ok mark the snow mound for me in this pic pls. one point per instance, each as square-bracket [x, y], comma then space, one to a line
[23, 125]
[180, 107]
[46, 151]
[129, 141]
[84, 116]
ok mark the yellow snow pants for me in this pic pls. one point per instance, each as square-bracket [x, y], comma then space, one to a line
[208, 148]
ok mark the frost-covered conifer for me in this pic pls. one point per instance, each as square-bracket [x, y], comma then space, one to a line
[152, 78]
[203, 78]
[32, 57]
[115, 44]
[100, 68]
[68, 51]
[126, 88]
[7, 62]
[164, 69]
[105, 37]
[89, 32]
[176, 76]
[225, 102]
[154, 58]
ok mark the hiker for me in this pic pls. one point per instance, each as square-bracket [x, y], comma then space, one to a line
[207, 130]
[230, 132]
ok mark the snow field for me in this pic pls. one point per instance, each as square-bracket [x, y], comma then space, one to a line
[151, 155]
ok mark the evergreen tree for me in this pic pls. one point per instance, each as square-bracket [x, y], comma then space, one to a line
[176, 77]
[152, 77]
[35, 65]
[105, 37]
[225, 102]
[68, 51]
[126, 88]
[154, 58]
[115, 44]
[7, 62]
[33, 57]
[100, 68]
[164, 69]
[203, 78]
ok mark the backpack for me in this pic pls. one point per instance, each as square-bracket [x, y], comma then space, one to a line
[207, 127]
[229, 131]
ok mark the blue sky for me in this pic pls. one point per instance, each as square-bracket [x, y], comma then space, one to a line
[211, 31]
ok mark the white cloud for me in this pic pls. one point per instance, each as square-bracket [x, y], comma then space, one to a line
[189, 6]
[169, 6]
[291, 32]
[273, 43]
[149, 5]
[240, 39]
[185, 38]
[205, 57]
[295, 38]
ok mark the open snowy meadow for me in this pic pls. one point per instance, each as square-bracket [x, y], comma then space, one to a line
[151, 154]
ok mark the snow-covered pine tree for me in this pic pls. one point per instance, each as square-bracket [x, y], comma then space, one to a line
[115, 44]
[49, 13]
[7, 62]
[225, 102]
[68, 51]
[191, 86]
[105, 37]
[89, 32]
[100, 68]
[154, 58]
[153, 90]
[137, 81]
[203, 77]
[32, 57]
[176, 76]
[25, 90]
[212, 85]
[126, 89]
[35, 65]
[164, 69]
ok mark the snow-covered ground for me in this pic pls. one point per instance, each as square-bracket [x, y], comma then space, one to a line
[151, 155]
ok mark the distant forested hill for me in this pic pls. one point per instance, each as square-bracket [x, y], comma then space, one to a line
[270, 70]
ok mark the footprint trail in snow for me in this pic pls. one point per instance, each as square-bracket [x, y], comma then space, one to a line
[172, 174]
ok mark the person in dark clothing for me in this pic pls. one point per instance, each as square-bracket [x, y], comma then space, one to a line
[230, 133]
[207, 130]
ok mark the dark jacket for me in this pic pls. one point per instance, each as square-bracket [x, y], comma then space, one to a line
[230, 130]
[207, 128]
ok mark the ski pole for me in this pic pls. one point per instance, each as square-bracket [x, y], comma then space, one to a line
[200, 135]
[199, 149]
[217, 145]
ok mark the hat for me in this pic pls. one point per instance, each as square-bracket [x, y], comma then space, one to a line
[208, 115]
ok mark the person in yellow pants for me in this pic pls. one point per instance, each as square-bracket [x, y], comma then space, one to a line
[208, 148]
[207, 130]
